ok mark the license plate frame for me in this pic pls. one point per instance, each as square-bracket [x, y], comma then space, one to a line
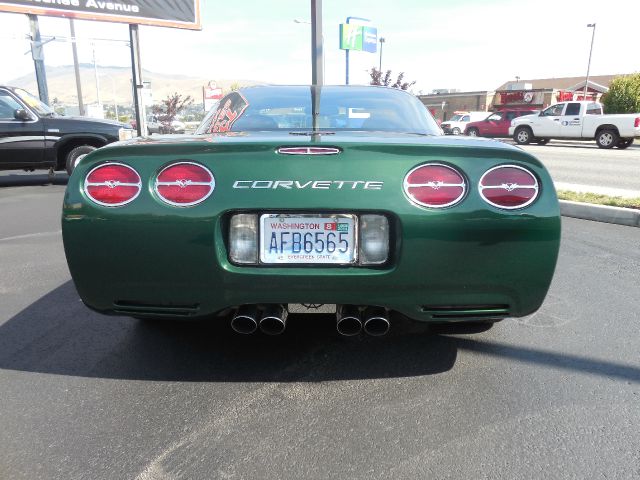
[351, 220]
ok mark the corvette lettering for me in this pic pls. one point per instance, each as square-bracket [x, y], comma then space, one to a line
[310, 184]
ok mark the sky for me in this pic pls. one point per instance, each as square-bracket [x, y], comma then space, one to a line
[462, 44]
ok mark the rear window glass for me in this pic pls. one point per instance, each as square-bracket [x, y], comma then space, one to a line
[573, 109]
[594, 109]
[338, 109]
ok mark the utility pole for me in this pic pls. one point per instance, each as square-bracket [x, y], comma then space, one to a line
[586, 83]
[136, 67]
[37, 53]
[76, 68]
[382, 40]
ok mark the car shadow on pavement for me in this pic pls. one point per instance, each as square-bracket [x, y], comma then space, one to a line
[58, 335]
[30, 179]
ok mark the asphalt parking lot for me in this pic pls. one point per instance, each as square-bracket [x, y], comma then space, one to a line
[552, 395]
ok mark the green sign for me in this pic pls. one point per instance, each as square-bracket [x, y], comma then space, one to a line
[358, 37]
[350, 37]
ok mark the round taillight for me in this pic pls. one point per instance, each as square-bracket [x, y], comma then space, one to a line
[508, 187]
[434, 185]
[184, 184]
[112, 184]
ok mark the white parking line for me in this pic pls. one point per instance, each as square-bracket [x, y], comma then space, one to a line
[30, 235]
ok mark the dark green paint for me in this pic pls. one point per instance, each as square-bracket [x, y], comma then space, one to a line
[472, 254]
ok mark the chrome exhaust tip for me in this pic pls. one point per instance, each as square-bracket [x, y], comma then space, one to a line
[348, 320]
[245, 320]
[274, 320]
[376, 321]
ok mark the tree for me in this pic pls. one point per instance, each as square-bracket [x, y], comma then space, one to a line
[623, 95]
[170, 107]
[378, 79]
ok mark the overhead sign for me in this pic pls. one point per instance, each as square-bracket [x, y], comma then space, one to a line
[173, 13]
[515, 97]
[358, 37]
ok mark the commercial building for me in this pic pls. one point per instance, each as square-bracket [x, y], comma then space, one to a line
[537, 93]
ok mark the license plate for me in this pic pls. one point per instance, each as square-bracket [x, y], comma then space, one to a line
[316, 239]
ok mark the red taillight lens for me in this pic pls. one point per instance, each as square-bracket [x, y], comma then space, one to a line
[434, 185]
[637, 122]
[184, 184]
[509, 187]
[112, 184]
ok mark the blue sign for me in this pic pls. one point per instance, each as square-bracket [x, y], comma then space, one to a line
[369, 39]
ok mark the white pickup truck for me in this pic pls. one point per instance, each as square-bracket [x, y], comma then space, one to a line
[577, 121]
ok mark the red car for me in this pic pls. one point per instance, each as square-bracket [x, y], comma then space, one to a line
[497, 124]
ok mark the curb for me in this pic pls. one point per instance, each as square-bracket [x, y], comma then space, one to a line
[600, 213]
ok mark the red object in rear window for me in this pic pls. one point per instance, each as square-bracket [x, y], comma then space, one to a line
[184, 184]
[434, 185]
[508, 187]
[637, 122]
[112, 184]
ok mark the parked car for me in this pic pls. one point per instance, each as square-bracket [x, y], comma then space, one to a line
[457, 124]
[362, 206]
[154, 125]
[33, 136]
[497, 124]
[577, 121]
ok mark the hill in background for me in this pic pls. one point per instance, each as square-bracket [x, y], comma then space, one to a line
[116, 81]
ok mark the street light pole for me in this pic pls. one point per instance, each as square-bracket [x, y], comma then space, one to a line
[382, 40]
[95, 71]
[76, 67]
[586, 83]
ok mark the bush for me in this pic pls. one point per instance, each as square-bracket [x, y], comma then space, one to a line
[623, 95]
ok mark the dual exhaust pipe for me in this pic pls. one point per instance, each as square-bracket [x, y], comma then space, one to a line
[350, 320]
[248, 318]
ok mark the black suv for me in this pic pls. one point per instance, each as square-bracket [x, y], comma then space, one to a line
[33, 136]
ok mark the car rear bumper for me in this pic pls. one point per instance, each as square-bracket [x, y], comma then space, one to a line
[439, 270]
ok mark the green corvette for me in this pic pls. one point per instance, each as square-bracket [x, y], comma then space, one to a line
[291, 198]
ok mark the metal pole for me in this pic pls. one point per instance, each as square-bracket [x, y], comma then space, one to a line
[586, 83]
[317, 53]
[346, 80]
[37, 53]
[136, 70]
[76, 68]
[95, 71]
[115, 98]
[382, 40]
